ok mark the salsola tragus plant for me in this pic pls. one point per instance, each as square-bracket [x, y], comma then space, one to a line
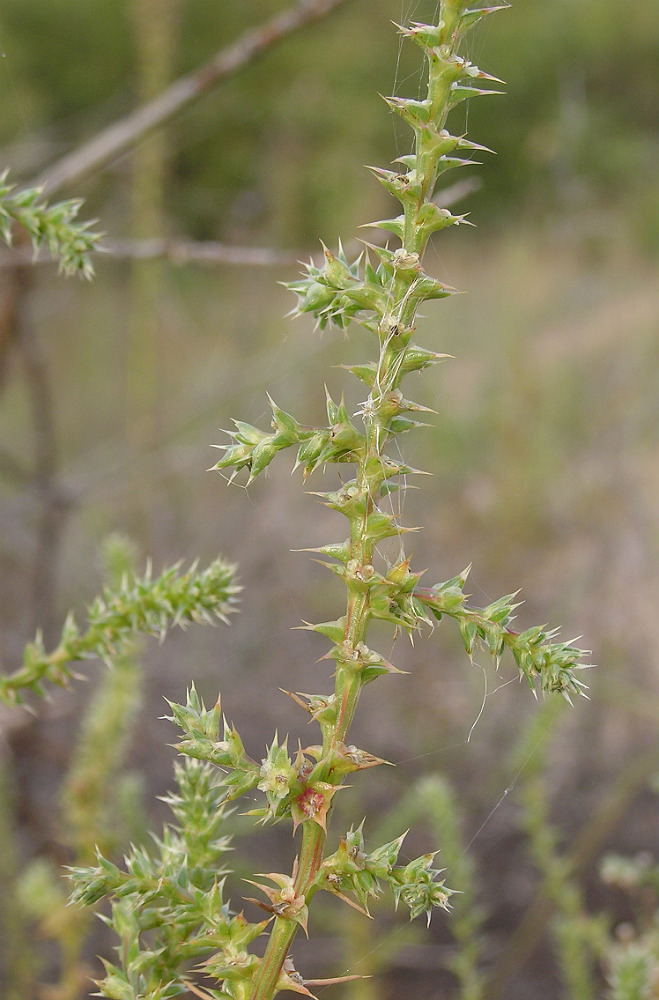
[169, 907]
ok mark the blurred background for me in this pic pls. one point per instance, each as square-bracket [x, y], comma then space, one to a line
[543, 450]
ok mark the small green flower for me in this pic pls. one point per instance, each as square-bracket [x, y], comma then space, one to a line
[276, 775]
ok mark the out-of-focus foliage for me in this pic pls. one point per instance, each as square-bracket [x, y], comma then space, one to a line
[145, 606]
[264, 157]
[53, 226]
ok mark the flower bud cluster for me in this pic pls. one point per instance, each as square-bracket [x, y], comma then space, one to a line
[285, 901]
[387, 596]
[351, 869]
[201, 731]
[339, 291]
[253, 449]
[302, 787]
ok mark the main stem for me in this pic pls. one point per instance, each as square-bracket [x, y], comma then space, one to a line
[283, 931]
[394, 331]
[347, 691]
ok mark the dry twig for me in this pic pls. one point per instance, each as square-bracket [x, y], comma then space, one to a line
[115, 139]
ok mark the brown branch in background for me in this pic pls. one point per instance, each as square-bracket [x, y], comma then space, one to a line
[179, 251]
[210, 252]
[125, 133]
[176, 250]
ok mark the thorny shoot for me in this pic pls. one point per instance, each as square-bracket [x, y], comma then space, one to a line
[169, 906]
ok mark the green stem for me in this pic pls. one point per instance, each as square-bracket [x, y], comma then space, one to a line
[347, 689]
[283, 931]
[348, 682]
[267, 975]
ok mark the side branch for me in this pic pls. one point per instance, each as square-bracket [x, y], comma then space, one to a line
[147, 605]
[538, 657]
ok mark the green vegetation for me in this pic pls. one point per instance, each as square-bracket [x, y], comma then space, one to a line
[539, 452]
[71, 243]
